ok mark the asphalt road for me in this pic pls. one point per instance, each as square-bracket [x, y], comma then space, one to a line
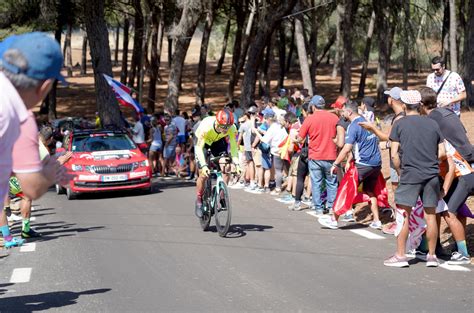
[146, 253]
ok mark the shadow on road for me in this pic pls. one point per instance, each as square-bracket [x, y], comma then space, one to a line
[240, 230]
[3, 291]
[44, 301]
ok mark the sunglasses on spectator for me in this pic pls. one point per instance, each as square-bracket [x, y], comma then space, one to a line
[437, 69]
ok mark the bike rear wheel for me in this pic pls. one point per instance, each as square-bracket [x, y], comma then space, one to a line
[223, 210]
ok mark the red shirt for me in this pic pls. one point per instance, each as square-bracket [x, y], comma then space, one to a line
[320, 127]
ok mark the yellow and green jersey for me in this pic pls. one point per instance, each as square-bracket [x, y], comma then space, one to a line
[206, 134]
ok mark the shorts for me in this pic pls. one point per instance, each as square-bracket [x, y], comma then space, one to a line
[248, 156]
[257, 157]
[294, 165]
[169, 152]
[368, 175]
[156, 147]
[394, 178]
[267, 161]
[461, 188]
[428, 191]
[181, 139]
[216, 148]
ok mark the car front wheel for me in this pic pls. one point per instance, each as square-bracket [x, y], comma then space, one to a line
[70, 195]
[59, 189]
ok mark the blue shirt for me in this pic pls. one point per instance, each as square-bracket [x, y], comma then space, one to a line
[365, 145]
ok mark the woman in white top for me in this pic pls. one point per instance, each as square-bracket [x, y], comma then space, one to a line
[156, 145]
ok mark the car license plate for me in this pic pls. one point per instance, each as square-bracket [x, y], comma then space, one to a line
[109, 178]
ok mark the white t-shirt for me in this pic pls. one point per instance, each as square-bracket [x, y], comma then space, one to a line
[138, 133]
[274, 137]
[453, 87]
[180, 122]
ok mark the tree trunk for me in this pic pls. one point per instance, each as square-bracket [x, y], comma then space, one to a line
[67, 48]
[264, 79]
[84, 54]
[170, 50]
[468, 59]
[157, 23]
[445, 32]
[327, 47]
[137, 43]
[365, 61]
[124, 72]
[289, 61]
[117, 42]
[347, 22]
[97, 34]
[201, 80]
[240, 17]
[247, 38]
[406, 43]
[224, 48]
[182, 35]
[282, 55]
[382, 26]
[313, 46]
[452, 36]
[302, 54]
[269, 18]
[50, 101]
[143, 57]
[337, 57]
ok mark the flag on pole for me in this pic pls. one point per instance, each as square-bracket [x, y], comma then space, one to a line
[122, 93]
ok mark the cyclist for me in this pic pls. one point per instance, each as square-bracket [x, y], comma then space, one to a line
[211, 134]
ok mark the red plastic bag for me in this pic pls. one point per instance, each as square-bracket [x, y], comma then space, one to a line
[347, 191]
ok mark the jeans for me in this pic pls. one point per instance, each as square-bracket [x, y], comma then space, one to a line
[319, 171]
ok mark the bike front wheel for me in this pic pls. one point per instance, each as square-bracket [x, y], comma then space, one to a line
[223, 211]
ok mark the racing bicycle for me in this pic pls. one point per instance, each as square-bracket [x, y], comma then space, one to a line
[215, 198]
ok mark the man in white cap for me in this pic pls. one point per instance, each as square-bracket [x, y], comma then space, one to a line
[421, 141]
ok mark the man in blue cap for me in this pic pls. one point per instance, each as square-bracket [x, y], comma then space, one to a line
[29, 65]
[320, 129]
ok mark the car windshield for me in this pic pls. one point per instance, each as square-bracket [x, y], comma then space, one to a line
[101, 142]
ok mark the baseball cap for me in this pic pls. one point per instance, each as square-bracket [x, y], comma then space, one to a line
[339, 104]
[317, 101]
[394, 93]
[41, 51]
[410, 97]
[252, 109]
[268, 113]
[369, 101]
[282, 92]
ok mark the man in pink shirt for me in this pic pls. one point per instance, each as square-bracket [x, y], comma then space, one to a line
[29, 64]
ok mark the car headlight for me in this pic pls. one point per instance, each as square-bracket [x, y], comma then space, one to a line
[144, 163]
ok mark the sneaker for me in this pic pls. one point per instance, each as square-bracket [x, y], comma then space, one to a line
[286, 199]
[15, 242]
[431, 261]
[14, 218]
[306, 201]
[328, 221]
[258, 190]
[266, 190]
[389, 228]
[238, 185]
[348, 217]
[275, 192]
[376, 225]
[319, 212]
[30, 234]
[198, 208]
[459, 259]
[250, 188]
[396, 261]
[296, 206]
[413, 253]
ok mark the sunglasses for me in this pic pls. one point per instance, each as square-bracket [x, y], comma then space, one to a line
[437, 69]
[223, 127]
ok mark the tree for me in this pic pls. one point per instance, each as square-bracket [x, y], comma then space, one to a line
[157, 21]
[349, 9]
[270, 16]
[220, 63]
[124, 71]
[84, 54]
[468, 59]
[382, 26]
[139, 32]
[201, 81]
[181, 34]
[97, 34]
[68, 51]
[452, 36]
[240, 18]
[365, 61]
[337, 56]
[302, 54]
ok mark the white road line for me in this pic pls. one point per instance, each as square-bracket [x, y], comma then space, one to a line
[21, 275]
[28, 247]
[458, 268]
[32, 219]
[312, 213]
[366, 234]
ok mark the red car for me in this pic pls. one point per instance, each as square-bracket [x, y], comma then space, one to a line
[105, 160]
